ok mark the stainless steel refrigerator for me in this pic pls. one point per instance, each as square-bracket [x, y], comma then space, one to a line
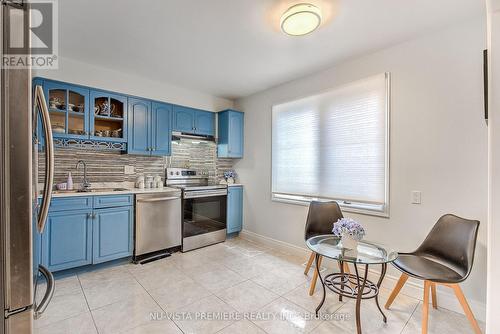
[24, 124]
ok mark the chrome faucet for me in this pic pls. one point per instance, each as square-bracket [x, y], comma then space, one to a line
[85, 183]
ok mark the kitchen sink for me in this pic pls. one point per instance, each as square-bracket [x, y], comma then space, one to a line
[94, 190]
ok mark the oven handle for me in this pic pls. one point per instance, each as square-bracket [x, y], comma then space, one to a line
[160, 199]
[195, 194]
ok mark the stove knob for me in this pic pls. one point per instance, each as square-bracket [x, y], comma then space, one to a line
[177, 173]
[171, 173]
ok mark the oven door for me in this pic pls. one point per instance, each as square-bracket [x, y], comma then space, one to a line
[204, 220]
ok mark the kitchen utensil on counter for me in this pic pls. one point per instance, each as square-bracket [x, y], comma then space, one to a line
[157, 183]
[149, 182]
[139, 182]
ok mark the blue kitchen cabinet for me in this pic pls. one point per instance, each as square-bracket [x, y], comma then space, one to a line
[183, 119]
[234, 209]
[139, 141]
[84, 230]
[204, 123]
[161, 129]
[194, 121]
[108, 116]
[68, 109]
[112, 233]
[67, 239]
[150, 131]
[231, 134]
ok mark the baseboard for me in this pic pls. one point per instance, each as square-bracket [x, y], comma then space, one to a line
[413, 288]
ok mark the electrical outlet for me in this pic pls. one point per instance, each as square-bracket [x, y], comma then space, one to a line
[416, 197]
[128, 170]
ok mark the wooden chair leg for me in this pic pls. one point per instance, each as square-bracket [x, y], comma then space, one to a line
[434, 296]
[466, 307]
[315, 277]
[346, 268]
[425, 307]
[401, 282]
[309, 263]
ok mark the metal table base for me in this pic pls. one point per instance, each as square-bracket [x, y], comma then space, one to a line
[352, 286]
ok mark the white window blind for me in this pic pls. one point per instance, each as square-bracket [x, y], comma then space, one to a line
[334, 145]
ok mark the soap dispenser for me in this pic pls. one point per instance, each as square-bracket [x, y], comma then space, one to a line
[69, 183]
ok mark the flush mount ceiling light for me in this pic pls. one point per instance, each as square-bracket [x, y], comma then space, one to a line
[300, 19]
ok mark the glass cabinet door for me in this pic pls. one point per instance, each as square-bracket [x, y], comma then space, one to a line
[108, 116]
[68, 107]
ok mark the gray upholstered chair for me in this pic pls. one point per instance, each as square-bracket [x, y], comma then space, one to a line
[320, 219]
[444, 258]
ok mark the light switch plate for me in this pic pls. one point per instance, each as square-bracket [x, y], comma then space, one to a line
[129, 170]
[416, 197]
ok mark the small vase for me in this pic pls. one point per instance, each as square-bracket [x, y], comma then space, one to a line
[349, 242]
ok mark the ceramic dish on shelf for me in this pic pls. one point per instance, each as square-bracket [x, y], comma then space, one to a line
[77, 132]
[116, 133]
[97, 110]
[80, 108]
[58, 129]
[71, 107]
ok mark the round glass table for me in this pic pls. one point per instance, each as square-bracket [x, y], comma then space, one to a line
[354, 286]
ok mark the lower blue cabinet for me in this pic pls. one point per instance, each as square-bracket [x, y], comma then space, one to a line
[112, 229]
[78, 237]
[67, 240]
[234, 209]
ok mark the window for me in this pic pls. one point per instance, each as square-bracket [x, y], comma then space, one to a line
[334, 146]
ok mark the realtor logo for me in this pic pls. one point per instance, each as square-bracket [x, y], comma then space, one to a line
[30, 34]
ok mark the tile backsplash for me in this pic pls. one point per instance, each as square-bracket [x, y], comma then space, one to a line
[105, 166]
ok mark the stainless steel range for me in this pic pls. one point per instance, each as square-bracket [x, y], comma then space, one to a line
[203, 208]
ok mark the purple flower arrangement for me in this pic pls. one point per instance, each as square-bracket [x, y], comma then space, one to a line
[349, 227]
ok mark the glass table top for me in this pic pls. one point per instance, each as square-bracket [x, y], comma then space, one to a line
[366, 252]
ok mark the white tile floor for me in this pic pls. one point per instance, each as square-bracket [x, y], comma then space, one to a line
[207, 291]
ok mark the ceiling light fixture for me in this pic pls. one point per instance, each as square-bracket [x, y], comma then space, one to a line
[300, 19]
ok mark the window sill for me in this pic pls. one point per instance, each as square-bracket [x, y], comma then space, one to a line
[363, 209]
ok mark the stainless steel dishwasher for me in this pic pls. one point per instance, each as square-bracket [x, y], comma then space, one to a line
[158, 225]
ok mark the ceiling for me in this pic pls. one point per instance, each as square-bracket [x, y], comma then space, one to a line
[234, 48]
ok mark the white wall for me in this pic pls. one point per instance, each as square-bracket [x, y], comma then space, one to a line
[493, 321]
[89, 75]
[438, 144]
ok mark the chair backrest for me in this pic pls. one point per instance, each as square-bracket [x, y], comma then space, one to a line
[452, 241]
[321, 217]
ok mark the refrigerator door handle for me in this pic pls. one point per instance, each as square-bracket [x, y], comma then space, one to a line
[49, 158]
[39, 309]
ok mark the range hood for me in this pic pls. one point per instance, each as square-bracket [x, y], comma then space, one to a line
[176, 135]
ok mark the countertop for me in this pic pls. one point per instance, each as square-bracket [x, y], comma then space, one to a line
[128, 191]
[235, 185]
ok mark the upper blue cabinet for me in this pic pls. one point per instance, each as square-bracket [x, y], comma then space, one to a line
[78, 112]
[108, 116]
[231, 132]
[149, 127]
[139, 139]
[161, 128]
[195, 121]
[68, 108]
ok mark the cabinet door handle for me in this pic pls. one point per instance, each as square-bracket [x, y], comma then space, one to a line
[89, 215]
